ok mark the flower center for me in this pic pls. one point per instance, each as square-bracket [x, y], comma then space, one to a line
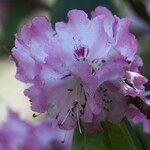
[76, 106]
[81, 53]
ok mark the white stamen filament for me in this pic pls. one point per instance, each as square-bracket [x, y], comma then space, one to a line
[65, 117]
[63, 140]
[78, 95]
[78, 121]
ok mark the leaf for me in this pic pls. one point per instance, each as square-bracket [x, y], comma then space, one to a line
[113, 137]
[142, 136]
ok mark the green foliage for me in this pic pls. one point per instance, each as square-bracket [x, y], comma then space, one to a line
[143, 137]
[113, 137]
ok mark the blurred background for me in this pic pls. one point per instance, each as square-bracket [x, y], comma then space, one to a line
[14, 13]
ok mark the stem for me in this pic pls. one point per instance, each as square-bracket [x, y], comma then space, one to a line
[141, 105]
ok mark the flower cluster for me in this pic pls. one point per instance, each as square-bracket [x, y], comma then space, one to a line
[83, 71]
[16, 134]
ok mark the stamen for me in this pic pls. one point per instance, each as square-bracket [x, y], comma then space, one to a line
[65, 118]
[81, 85]
[103, 61]
[81, 112]
[63, 140]
[105, 90]
[36, 115]
[56, 116]
[75, 103]
[69, 89]
[83, 106]
[78, 121]
[59, 124]
[129, 61]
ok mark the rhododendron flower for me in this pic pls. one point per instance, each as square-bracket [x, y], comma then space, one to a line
[82, 70]
[139, 118]
[16, 134]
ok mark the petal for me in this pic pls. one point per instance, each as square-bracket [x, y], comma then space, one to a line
[109, 19]
[23, 59]
[29, 48]
[114, 105]
[74, 33]
[125, 41]
[82, 71]
[82, 32]
[95, 104]
[137, 79]
[137, 62]
[111, 69]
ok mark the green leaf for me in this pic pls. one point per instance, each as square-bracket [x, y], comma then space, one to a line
[113, 137]
[142, 136]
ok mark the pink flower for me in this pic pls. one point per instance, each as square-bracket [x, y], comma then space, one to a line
[81, 71]
[118, 79]
[138, 118]
[18, 134]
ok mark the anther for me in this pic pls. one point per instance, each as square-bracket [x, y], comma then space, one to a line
[75, 103]
[63, 141]
[69, 89]
[59, 124]
[83, 106]
[129, 61]
[35, 115]
[56, 116]
[81, 85]
[105, 90]
[81, 111]
[103, 61]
